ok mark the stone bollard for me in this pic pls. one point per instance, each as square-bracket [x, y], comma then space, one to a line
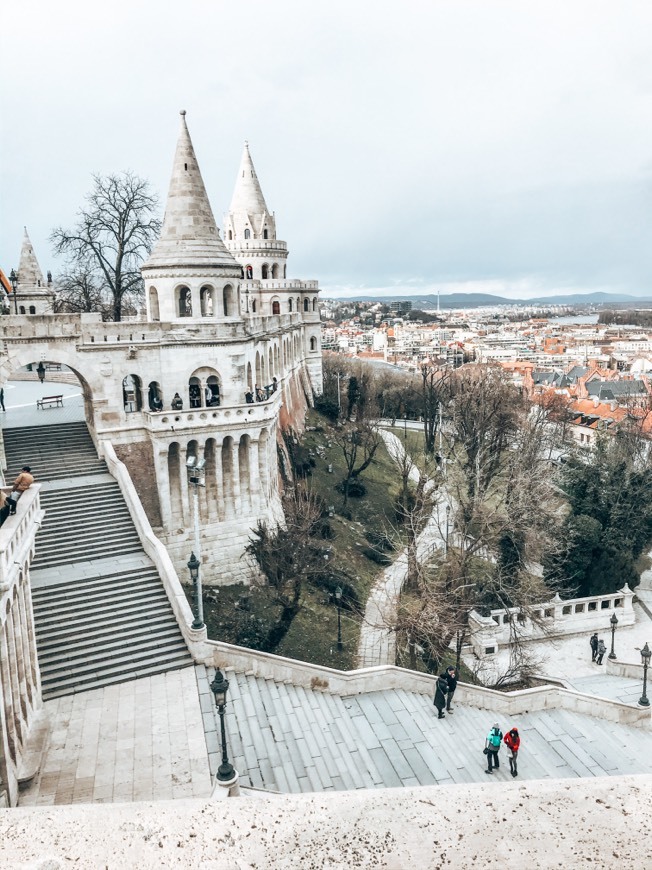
[227, 788]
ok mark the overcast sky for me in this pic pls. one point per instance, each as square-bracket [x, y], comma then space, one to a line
[412, 145]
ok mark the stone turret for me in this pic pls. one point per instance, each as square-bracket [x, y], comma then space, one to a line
[190, 273]
[35, 295]
[250, 227]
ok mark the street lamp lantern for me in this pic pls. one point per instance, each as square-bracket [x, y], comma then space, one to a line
[614, 623]
[13, 277]
[645, 656]
[219, 688]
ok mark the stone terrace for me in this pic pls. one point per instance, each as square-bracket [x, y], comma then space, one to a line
[290, 739]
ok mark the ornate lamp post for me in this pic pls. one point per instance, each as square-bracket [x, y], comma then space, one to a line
[196, 478]
[193, 567]
[13, 277]
[338, 600]
[219, 687]
[646, 653]
[448, 514]
[614, 623]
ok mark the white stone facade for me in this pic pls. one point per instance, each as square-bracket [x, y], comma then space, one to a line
[218, 368]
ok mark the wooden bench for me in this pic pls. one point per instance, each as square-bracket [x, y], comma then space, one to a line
[49, 402]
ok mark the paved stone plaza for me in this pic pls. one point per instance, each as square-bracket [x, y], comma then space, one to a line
[137, 741]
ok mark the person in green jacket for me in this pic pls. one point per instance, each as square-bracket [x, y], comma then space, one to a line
[492, 747]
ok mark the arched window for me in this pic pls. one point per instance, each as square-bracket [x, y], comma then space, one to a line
[22, 309]
[132, 397]
[194, 393]
[249, 272]
[306, 304]
[228, 301]
[230, 235]
[265, 233]
[264, 270]
[185, 302]
[253, 305]
[206, 301]
[290, 304]
[212, 392]
[313, 343]
[155, 397]
[154, 312]
[276, 307]
[247, 233]
[285, 271]
[275, 270]
[32, 309]
[314, 304]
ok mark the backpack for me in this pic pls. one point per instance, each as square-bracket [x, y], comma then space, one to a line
[495, 738]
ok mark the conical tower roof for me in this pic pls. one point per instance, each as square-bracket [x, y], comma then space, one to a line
[29, 271]
[248, 196]
[189, 236]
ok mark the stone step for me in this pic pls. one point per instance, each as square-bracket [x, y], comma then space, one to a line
[77, 528]
[154, 618]
[89, 585]
[114, 640]
[68, 687]
[127, 601]
[85, 661]
[65, 557]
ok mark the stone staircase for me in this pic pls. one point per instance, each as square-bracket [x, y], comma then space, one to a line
[54, 452]
[101, 612]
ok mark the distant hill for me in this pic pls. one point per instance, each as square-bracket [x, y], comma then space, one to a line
[476, 300]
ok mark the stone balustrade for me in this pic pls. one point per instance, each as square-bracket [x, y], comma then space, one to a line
[377, 679]
[256, 414]
[556, 618]
[20, 682]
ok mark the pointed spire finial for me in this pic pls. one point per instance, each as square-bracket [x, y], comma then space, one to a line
[189, 235]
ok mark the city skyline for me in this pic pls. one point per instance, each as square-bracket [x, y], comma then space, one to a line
[474, 147]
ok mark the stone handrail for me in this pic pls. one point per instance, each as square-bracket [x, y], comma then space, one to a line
[157, 553]
[18, 533]
[279, 668]
[629, 670]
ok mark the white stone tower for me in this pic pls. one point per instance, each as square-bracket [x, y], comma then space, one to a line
[250, 234]
[35, 295]
[190, 273]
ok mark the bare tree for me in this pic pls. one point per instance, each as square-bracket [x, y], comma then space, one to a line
[77, 290]
[358, 443]
[434, 394]
[114, 232]
[288, 558]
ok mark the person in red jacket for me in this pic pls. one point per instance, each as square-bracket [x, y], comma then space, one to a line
[512, 742]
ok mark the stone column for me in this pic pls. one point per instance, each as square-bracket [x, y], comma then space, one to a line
[256, 497]
[186, 508]
[163, 485]
[235, 474]
[202, 495]
[8, 693]
[220, 500]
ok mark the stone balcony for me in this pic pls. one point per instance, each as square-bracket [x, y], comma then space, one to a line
[257, 414]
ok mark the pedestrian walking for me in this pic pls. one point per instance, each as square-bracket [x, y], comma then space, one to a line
[21, 484]
[2, 398]
[601, 650]
[440, 695]
[513, 742]
[492, 747]
[451, 680]
[594, 646]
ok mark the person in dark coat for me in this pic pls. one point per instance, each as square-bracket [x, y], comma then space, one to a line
[601, 651]
[594, 646]
[451, 680]
[440, 695]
